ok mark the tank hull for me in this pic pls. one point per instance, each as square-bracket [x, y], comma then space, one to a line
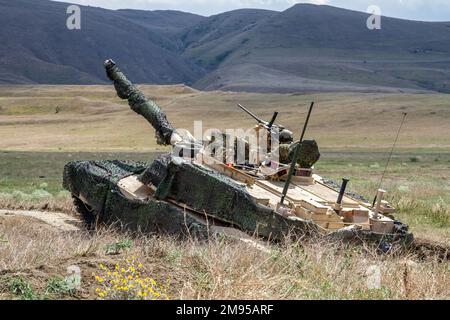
[94, 184]
[177, 197]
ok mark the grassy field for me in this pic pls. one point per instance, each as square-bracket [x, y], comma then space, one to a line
[92, 118]
[354, 131]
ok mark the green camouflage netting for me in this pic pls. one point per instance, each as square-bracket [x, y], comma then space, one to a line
[95, 183]
[207, 191]
[309, 153]
[139, 104]
[202, 189]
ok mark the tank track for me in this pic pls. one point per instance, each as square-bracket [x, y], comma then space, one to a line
[88, 215]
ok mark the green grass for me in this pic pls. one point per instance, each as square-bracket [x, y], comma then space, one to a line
[28, 172]
[355, 133]
[57, 287]
[119, 246]
[21, 288]
[418, 184]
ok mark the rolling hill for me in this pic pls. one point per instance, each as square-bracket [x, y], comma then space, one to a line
[325, 48]
[38, 48]
[306, 48]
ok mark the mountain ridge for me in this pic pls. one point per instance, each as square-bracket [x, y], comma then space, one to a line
[284, 51]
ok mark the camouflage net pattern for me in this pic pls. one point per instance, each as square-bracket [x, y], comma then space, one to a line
[309, 153]
[182, 183]
[139, 104]
[96, 183]
[157, 171]
[207, 191]
[200, 188]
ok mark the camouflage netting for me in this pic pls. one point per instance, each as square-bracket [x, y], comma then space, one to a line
[156, 172]
[207, 191]
[139, 104]
[309, 153]
[95, 183]
[198, 187]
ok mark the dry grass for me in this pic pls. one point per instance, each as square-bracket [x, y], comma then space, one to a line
[52, 204]
[92, 118]
[218, 269]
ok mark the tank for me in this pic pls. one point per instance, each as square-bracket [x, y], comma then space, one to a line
[190, 192]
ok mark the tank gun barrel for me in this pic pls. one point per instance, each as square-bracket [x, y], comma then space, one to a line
[147, 108]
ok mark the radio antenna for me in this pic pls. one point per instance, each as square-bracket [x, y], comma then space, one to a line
[391, 154]
[296, 156]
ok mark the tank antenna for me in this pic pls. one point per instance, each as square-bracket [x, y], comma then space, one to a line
[391, 154]
[296, 155]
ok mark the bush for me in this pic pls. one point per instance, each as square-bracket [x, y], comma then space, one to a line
[119, 246]
[22, 288]
[57, 286]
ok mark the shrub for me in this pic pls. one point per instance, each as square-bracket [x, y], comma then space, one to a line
[57, 286]
[117, 247]
[22, 288]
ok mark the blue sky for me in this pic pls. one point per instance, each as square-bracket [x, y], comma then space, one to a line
[428, 10]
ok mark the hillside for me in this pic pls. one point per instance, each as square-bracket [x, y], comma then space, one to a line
[308, 42]
[306, 48]
[38, 48]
